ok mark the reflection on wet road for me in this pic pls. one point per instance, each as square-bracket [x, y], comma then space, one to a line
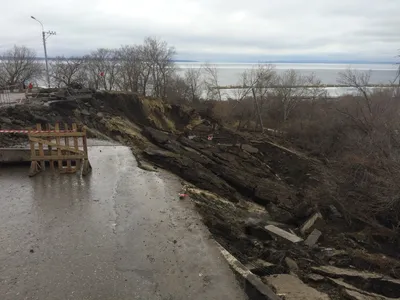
[120, 233]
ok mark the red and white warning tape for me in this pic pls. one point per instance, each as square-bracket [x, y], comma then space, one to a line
[33, 131]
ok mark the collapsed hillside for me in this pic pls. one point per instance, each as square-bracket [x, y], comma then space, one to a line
[240, 183]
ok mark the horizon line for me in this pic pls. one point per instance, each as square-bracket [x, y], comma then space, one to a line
[264, 61]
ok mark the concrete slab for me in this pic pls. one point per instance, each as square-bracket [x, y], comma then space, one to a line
[292, 288]
[283, 234]
[310, 222]
[313, 238]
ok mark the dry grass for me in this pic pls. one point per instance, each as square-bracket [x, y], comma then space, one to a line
[356, 137]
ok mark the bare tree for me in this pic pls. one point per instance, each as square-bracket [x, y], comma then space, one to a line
[159, 66]
[362, 114]
[315, 90]
[102, 68]
[65, 71]
[291, 88]
[396, 81]
[211, 82]
[357, 80]
[192, 79]
[257, 83]
[131, 70]
[18, 65]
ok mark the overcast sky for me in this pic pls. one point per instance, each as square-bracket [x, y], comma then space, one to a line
[211, 29]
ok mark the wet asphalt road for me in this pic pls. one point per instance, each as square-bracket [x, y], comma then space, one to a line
[120, 233]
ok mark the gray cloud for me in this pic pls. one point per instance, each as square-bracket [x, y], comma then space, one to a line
[354, 29]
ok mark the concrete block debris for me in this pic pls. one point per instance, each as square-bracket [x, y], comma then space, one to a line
[283, 234]
[313, 238]
[310, 222]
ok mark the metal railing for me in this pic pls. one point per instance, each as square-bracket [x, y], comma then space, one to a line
[9, 97]
[4, 96]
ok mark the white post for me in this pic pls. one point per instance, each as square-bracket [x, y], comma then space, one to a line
[45, 49]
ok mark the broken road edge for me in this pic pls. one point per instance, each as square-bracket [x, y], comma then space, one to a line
[253, 286]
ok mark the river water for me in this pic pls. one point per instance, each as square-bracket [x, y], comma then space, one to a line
[328, 73]
[229, 73]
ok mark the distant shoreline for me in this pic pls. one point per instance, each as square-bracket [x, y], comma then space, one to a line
[297, 62]
[349, 62]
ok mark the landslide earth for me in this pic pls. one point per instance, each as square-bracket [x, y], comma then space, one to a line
[240, 182]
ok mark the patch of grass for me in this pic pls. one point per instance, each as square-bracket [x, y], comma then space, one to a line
[129, 132]
[157, 113]
[194, 122]
[170, 124]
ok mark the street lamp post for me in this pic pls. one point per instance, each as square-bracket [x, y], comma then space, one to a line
[45, 35]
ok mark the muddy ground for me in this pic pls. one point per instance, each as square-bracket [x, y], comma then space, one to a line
[240, 182]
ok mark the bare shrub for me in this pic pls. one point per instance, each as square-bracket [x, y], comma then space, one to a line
[177, 91]
[359, 137]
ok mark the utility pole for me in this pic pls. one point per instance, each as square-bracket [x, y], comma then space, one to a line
[45, 35]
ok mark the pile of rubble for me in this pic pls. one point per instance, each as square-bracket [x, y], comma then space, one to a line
[54, 94]
[282, 262]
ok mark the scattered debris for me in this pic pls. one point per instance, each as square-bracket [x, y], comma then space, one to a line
[5, 120]
[283, 234]
[315, 277]
[291, 264]
[263, 268]
[313, 238]
[310, 222]
[354, 293]
[258, 263]
[339, 272]
[376, 283]
[331, 252]
[292, 288]
[85, 112]
[334, 211]
[182, 196]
